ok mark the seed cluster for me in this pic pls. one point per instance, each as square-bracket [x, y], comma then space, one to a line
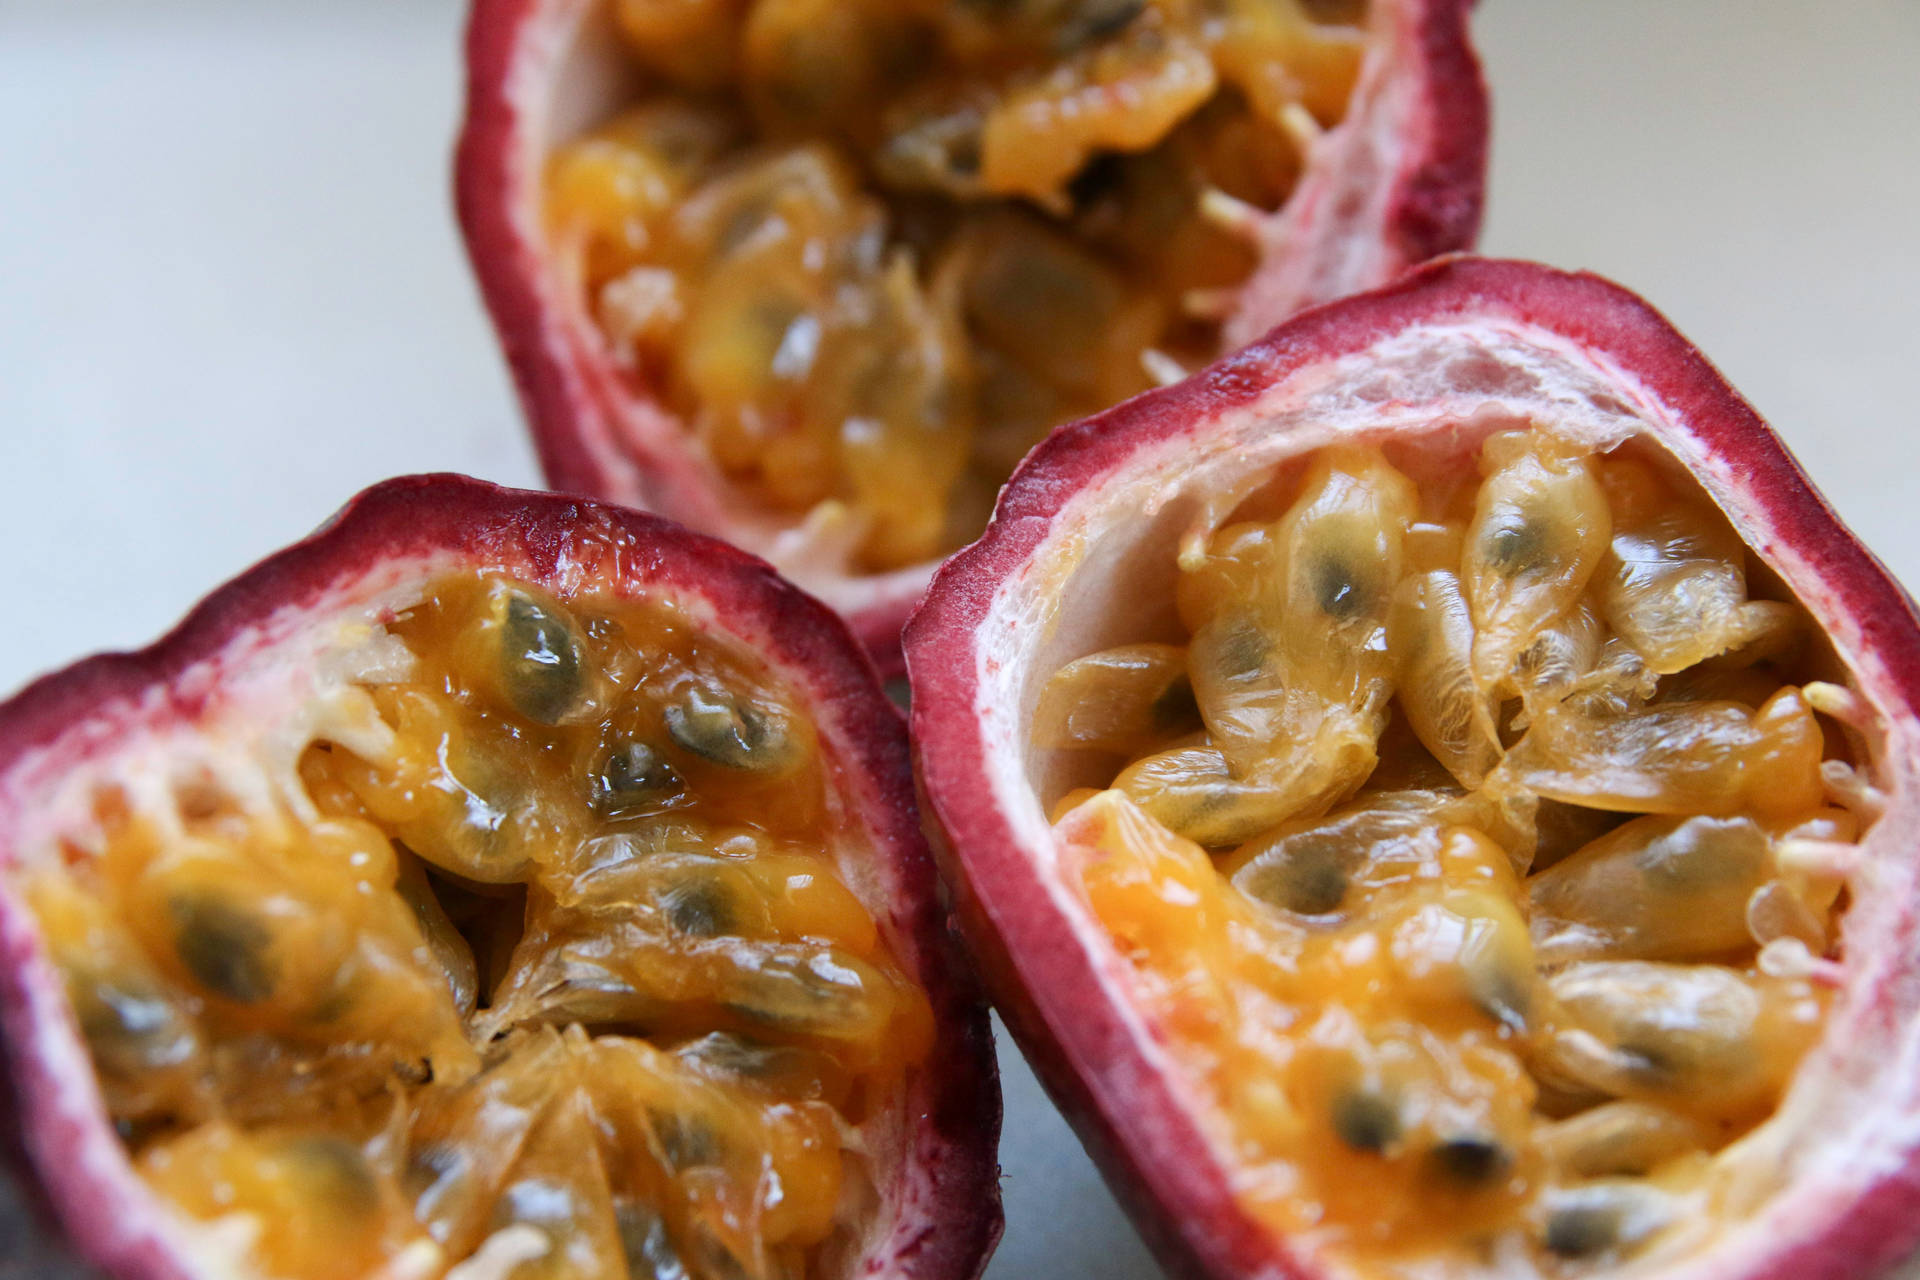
[1479, 848]
[873, 250]
[566, 977]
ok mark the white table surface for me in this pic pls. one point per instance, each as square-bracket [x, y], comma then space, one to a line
[231, 295]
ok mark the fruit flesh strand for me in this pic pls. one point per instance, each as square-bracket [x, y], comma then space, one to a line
[870, 252]
[565, 978]
[1539, 935]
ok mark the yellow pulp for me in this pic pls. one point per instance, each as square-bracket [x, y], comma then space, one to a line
[566, 978]
[1478, 850]
[871, 250]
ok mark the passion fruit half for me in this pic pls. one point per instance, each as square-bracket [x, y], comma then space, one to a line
[1434, 794]
[812, 275]
[493, 885]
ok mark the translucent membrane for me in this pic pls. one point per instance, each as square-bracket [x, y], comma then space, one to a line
[564, 979]
[870, 251]
[1446, 842]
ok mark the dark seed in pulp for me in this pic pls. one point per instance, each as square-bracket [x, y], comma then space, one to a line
[541, 661]
[1176, 707]
[1366, 1120]
[1337, 589]
[224, 947]
[1470, 1160]
[1582, 1230]
[633, 779]
[721, 729]
[698, 907]
[1512, 548]
[1313, 882]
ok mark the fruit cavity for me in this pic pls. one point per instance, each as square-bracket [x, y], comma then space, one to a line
[870, 252]
[1479, 842]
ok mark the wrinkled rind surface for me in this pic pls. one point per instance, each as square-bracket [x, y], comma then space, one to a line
[1401, 179]
[941, 1204]
[1852, 1204]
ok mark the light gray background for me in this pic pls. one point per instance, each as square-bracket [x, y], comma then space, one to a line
[231, 295]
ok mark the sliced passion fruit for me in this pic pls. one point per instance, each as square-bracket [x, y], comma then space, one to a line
[1433, 795]
[813, 276]
[494, 886]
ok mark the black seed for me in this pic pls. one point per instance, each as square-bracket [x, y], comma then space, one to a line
[1511, 548]
[1469, 1160]
[224, 947]
[1337, 589]
[1366, 1120]
[1318, 883]
[719, 728]
[1175, 707]
[1582, 1230]
[540, 661]
[633, 778]
[698, 907]
[1102, 176]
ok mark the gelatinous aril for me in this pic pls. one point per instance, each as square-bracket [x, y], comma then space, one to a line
[492, 885]
[815, 275]
[1532, 895]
